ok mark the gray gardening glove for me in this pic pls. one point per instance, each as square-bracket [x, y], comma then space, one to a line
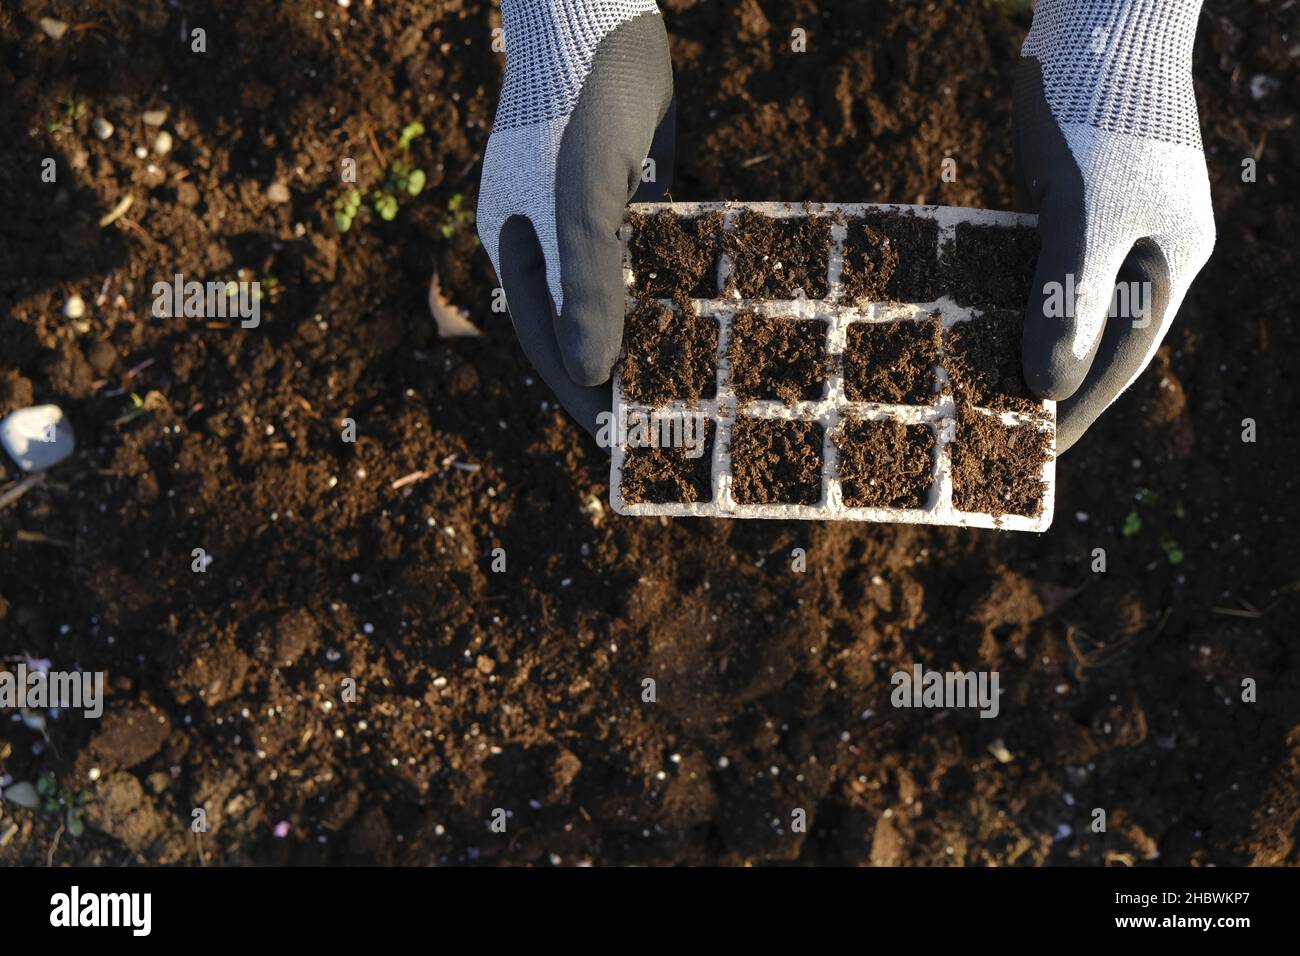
[587, 97]
[1108, 146]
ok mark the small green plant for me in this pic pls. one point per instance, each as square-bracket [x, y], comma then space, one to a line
[410, 132]
[457, 216]
[56, 798]
[73, 110]
[403, 179]
[1146, 500]
[346, 208]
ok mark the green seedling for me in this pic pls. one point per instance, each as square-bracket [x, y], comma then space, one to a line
[56, 798]
[73, 110]
[410, 132]
[457, 216]
[1147, 499]
[135, 411]
[403, 179]
[346, 208]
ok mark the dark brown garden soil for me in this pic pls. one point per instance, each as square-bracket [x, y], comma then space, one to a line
[891, 256]
[996, 469]
[991, 267]
[666, 474]
[982, 358]
[778, 358]
[772, 258]
[668, 355]
[774, 461]
[885, 464]
[675, 257]
[521, 689]
[892, 362]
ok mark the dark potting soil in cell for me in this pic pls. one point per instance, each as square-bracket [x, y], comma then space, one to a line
[992, 266]
[982, 357]
[778, 358]
[891, 256]
[668, 355]
[771, 258]
[884, 464]
[997, 469]
[774, 461]
[669, 474]
[891, 362]
[674, 257]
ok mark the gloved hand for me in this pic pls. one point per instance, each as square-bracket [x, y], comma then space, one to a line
[587, 96]
[1108, 147]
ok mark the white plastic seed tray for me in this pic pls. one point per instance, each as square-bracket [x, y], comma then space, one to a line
[838, 315]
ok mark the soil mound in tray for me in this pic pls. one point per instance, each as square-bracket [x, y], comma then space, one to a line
[778, 358]
[983, 360]
[891, 362]
[884, 464]
[771, 258]
[992, 267]
[891, 256]
[997, 469]
[669, 474]
[774, 461]
[668, 355]
[675, 257]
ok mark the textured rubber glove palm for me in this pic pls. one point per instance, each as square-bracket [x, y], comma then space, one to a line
[1109, 152]
[587, 84]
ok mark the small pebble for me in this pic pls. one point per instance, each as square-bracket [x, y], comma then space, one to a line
[141, 152]
[162, 144]
[154, 117]
[22, 794]
[37, 437]
[102, 128]
[277, 193]
[1261, 85]
[75, 307]
[52, 28]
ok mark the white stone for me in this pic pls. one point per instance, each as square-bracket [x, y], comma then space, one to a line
[22, 794]
[54, 29]
[37, 437]
[75, 307]
[103, 129]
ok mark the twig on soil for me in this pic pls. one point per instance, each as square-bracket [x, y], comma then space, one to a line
[117, 212]
[410, 479]
[58, 835]
[1234, 612]
[11, 495]
[137, 369]
[1085, 660]
[40, 537]
[374, 147]
[138, 230]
